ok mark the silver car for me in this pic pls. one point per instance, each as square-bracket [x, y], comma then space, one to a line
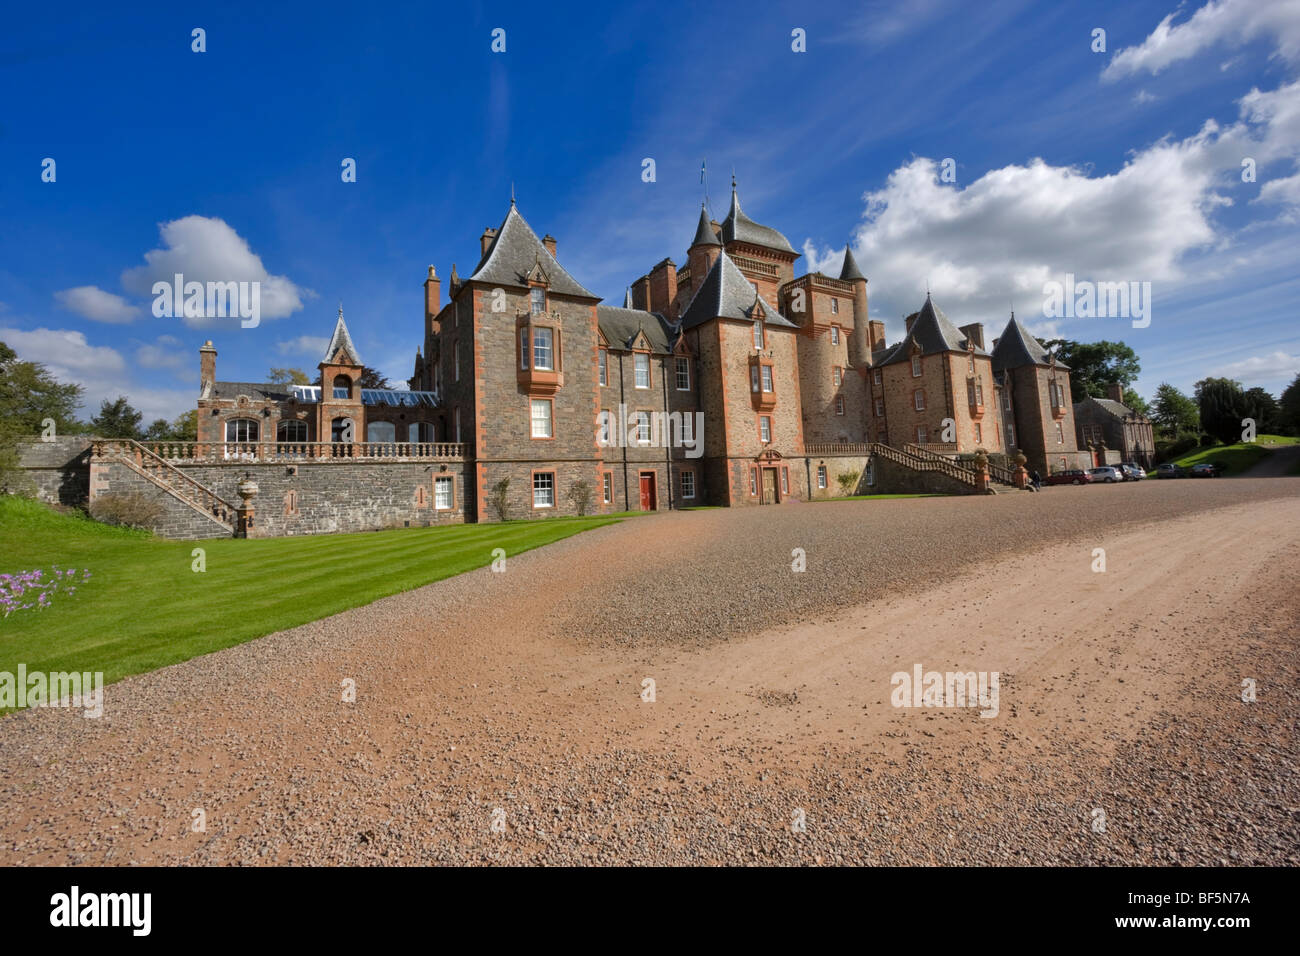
[1106, 473]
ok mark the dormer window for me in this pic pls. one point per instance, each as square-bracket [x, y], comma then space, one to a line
[537, 297]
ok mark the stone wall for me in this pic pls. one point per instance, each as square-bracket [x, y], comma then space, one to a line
[892, 478]
[60, 469]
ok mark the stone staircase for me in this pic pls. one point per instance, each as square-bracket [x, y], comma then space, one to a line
[1002, 476]
[928, 461]
[138, 459]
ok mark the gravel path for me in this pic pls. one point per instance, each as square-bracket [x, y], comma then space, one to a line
[517, 697]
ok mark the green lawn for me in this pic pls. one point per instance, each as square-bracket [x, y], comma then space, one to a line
[1231, 458]
[144, 607]
[1277, 439]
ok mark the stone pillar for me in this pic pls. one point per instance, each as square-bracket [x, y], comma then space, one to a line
[1021, 476]
[982, 470]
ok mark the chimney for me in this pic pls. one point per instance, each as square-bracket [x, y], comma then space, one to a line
[207, 366]
[909, 320]
[877, 336]
[548, 241]
[641, 293]
[1115, 392]
[995, 345]
[974, 332]
[432, 297]
[485, 240]
[663, 286]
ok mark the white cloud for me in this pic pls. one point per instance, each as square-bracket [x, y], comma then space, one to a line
[1142, 97]
[208, 250]
[1275, 366]
[1234, 22]
[313, 345]
[100, 370]
[165, 353]
[94, 303]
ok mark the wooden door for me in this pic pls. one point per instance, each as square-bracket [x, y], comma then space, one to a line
[647, 492]
[769, 486]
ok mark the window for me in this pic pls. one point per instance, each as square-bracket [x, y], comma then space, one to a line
[419, 432]
[1060, 434]
[292, 430]
[767, 378]
[683, 375]
[875, 376]
[241, 429]
[1006, 399]
[342, 386]
[537, 299]
[607, 486]
[603, 361]
[455, 361]
[753, 378]
[523, 349]
[642, 365]
[871, 472]
[544, 489]
[821, 476]
[605, 428]
[837, 375]
[457, 414]
[643, 428]
[970, 393]
[381, 432]
[979, 393]
[543, 348]
[880, 408]
[688, 484]
[839, 404]
[922, 436]
[753, 481]
[835, 310]
[916, 366]
[785, 481]
[687, 430]
[765, 428]
[979, 436]
[971, 360]
[341, 430]
[918, 399]
[541, 418]
[1011, 435]
[758, 334]
[443, 493]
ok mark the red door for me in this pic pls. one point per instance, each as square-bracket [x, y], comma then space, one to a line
[647, 492]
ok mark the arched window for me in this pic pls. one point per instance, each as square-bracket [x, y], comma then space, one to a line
[241, 429]
[291, 430]
[342, 386]
[341, 430]
[381, 432]
[420, 432]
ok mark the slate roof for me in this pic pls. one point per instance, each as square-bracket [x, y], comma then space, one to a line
[1016, 347]
[850, 270]
[514, 252]
[257, 391]
[1109, 405]
[704, 234]
[620, 327]
[726, 293]
[933, 332]
[341, 340]
[740, 228]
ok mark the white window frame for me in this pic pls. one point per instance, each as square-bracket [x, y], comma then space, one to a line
[916, 366]
[753, 378]
[765, 428]
[607, 486]
[875, 376]
[641, 363]
[683, 366]
[544, 487]
[439, 482]
[758, 334]
[543, 348]
[766, 374]
[537, 300]
[643, 428]
[922, 435]
[835, 310]
[602, 361]
[688, 484]
[821, 476]
[918, 399]
[545, 420]
[839, 404]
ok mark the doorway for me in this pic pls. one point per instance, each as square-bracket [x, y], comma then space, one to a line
[770, 494]
[648, 499]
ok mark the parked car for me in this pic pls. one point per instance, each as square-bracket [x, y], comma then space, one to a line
[1070, 476]
[1132, 471]
[1169, 470]
[1106, 473]
[1205, 469]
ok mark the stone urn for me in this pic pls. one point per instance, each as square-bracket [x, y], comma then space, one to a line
[247, 489]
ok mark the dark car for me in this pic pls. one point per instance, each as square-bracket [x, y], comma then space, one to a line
[1071, 476]
[1170, 470]
[1205, 469]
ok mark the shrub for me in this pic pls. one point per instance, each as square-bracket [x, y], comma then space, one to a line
[499, 499]
[580, 495]
[848, 481]
[129, 509]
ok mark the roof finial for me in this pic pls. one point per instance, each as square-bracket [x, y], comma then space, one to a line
[512, 192]
[733, 179]
[340, 308]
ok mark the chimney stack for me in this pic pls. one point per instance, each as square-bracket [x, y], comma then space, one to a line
[974, 332]
[1115, 392]
[910, 320]
[485, 240]
[877, 335]
[432, 297]
[207, 367]
[548, 241]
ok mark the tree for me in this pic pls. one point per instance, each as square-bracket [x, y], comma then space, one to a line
[580, 495]
[372, 378]
[1094, 365]
[30, 397]
[1223, 405]
[1288, 408]
[117, 420]
[184, 428]
[288, 376]
[1136, 402]
[1174, 413]
[1262, 407]
[499, 499]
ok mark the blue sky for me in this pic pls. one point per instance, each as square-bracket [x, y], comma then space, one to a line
[1123, 165]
